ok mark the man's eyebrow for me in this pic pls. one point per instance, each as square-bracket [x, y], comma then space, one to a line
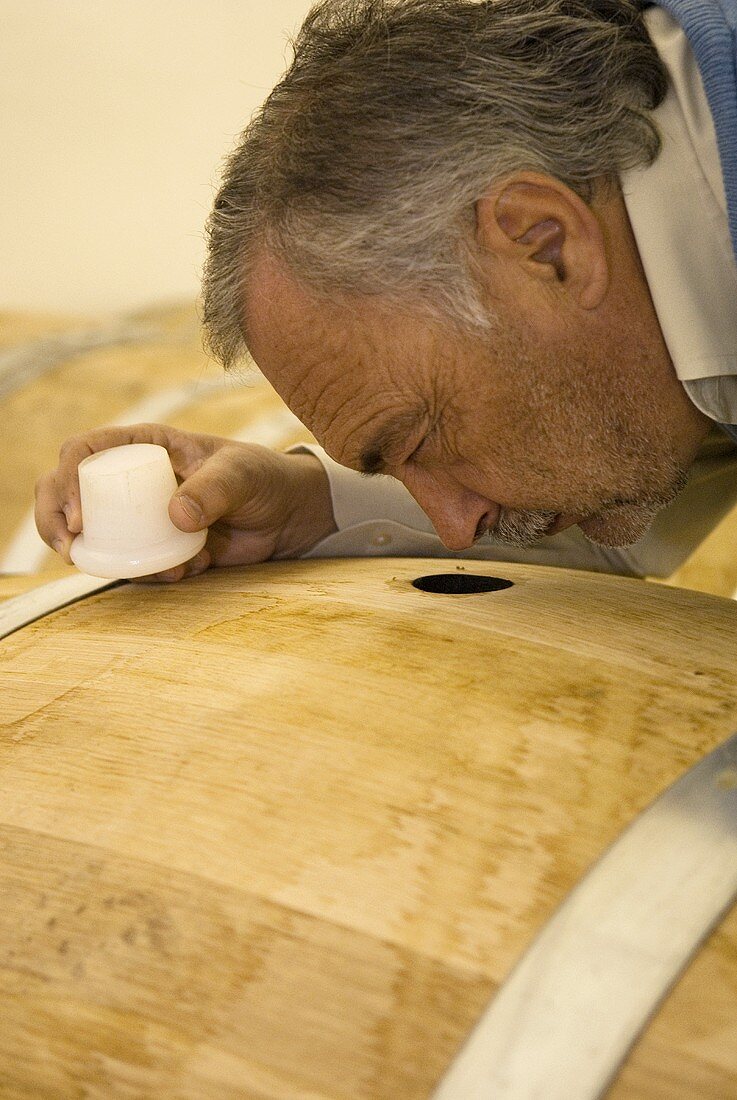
[390, 435]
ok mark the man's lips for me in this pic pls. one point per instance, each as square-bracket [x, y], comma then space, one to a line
[562, 521]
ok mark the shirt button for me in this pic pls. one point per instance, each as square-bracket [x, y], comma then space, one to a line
[382, 539]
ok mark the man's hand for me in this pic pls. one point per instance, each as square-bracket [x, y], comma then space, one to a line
[257, 503]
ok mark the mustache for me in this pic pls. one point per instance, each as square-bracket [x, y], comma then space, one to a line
[516, 527]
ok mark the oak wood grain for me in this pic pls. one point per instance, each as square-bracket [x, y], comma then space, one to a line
[280, 832]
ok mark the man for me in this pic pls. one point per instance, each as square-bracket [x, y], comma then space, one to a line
[483, 248]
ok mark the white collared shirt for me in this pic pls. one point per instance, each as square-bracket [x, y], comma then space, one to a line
[678, 212]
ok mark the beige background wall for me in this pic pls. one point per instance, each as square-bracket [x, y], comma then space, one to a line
[114, 119]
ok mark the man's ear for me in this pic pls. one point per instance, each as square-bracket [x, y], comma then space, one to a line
[554, 236]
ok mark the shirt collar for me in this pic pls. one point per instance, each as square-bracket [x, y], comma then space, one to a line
[677, 210]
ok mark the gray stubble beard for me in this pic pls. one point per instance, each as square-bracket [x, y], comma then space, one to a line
[618, 524]
[519, 528]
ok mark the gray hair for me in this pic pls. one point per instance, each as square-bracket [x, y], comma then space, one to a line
[362, 168]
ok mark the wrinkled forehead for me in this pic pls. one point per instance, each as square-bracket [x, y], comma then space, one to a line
[277, 316]
[295, 338]
[322, 353]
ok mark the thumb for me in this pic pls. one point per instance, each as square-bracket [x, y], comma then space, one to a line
[233, 475]
[185, 511]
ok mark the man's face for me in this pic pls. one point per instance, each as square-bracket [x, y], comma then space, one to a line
[520, 431]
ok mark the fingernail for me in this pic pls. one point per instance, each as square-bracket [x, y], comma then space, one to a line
[58, 545]
[170, 576]
[192, 509]
[198, 564]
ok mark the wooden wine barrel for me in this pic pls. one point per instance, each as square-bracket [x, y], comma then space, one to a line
[61, 376]
[279, 833]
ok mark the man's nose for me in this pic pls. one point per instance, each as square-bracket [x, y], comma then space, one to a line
[458, 514]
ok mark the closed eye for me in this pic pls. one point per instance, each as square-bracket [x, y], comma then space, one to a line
[425, 447]
[374, 464]
[389, 441]
[417, 453]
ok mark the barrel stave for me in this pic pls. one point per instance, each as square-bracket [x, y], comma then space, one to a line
[294, 823]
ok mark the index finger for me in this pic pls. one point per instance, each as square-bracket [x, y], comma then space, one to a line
[51, 521]
[180, 448]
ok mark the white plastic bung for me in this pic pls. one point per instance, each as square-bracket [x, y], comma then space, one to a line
[126, 530]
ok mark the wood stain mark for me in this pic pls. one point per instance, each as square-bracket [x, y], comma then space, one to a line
[726, 780]
[28, 724]
[232, 623]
